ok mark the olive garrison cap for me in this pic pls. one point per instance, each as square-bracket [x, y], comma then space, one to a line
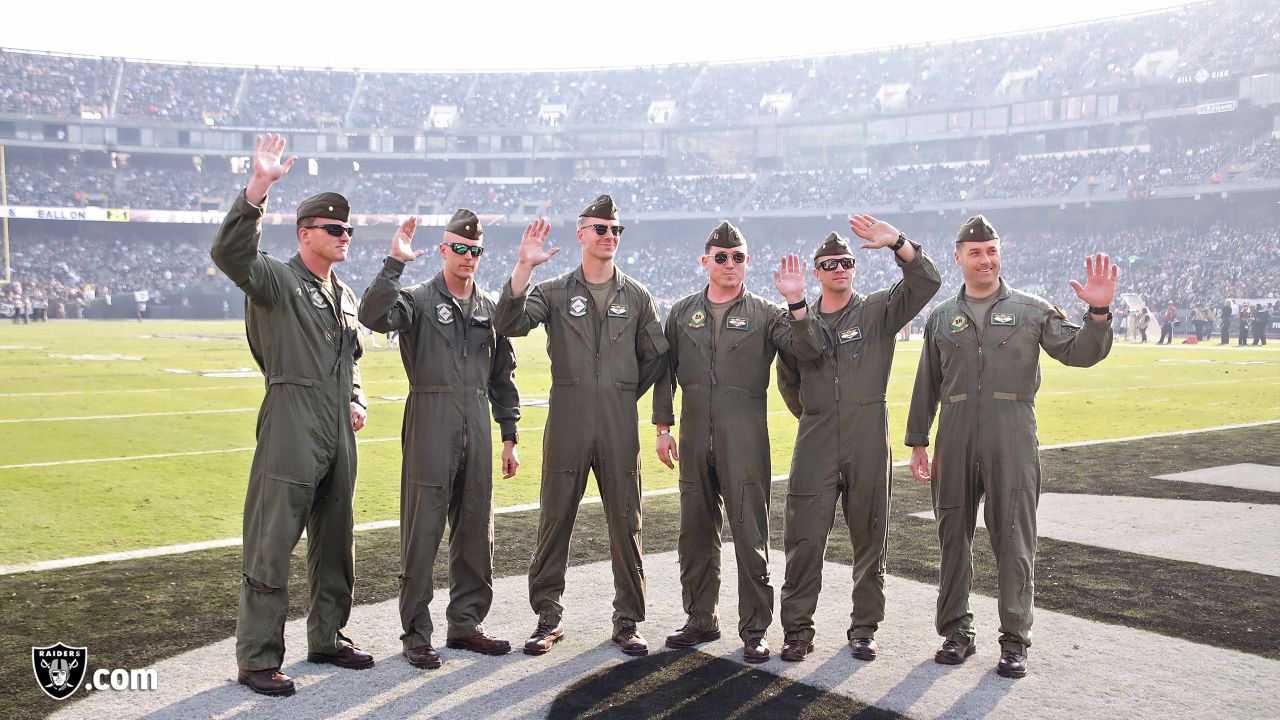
[833, 245]
[726, 236]
[601, 207]
[977, 229]
[325, 205]
[465, 223]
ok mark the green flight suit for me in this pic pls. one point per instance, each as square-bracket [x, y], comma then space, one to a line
[841, 453]
[600, 367]
[458, 369]
[724, 447]
[986, 380]
[304, 467]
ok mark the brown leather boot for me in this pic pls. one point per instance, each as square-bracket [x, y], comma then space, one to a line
[688, 636]
[795, 650]
[1012, 664]
[423, 656]
[482, 643]
[267, 682]
[348, 656]
[864, 648]
[543, 639]
[755, 650]
[629, 638]
[955, 650]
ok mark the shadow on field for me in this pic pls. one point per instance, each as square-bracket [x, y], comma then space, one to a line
[691, 684]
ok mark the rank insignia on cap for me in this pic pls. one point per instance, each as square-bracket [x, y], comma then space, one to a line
[577, 306]
[698, 319]
[618, 311]
[444, 313]
[853, 333]
[735, 323]
[1002, 318]
[959, 323]
[317, 297]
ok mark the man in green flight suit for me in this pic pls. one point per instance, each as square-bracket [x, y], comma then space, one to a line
[458, 367]
[607, 349]
[981, 361]
[302, 330]
[842, 446]
[723, 341]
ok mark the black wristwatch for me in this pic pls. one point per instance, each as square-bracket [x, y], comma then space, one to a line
[1100, 310]
[902, 240]
[513, 437]
[798, 305]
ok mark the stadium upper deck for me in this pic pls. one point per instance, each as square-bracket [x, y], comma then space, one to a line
[1186, 47]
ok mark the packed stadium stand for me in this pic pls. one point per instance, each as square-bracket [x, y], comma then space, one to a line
[1153, 137]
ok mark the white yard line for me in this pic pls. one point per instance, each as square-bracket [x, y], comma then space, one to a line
[61, 393]
[229, 542]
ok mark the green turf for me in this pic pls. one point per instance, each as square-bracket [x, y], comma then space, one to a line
[134, 613]
[68, 510]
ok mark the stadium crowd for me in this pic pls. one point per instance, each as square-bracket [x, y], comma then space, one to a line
[1192, 266]
[1221, 35]
[139, 186]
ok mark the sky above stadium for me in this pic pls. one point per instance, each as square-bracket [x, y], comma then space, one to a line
[509, 34]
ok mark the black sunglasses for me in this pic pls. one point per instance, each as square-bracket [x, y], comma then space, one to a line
[833, 263]
[723, 257]
[334, 230]
[463, 249]
[602, 229]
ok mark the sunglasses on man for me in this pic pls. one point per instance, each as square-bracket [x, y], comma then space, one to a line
[833, 263]
[463, 249]
[334, 230]
[723, 257]
[601, 229]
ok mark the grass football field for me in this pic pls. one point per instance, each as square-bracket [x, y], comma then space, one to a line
[126, 435]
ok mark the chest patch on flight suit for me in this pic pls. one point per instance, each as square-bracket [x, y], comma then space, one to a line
[698, 319]
[853, 333]
[444, 313]
[317, 297]
[1002, 318]
[577, 306]
[735, 323]
[959, 323]
[618, 311]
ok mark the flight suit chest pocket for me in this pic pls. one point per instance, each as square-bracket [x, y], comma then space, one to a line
[734, 337]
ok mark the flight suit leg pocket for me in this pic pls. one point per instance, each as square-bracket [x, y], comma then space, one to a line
[283, 504]
[428, 492]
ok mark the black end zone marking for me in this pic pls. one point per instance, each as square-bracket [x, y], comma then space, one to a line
[691, 684]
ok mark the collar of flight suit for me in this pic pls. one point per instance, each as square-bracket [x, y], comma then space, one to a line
[302, 271]
[961, 305]
[829, 329]
[619, 280]
[703, 334]
[442, 292]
